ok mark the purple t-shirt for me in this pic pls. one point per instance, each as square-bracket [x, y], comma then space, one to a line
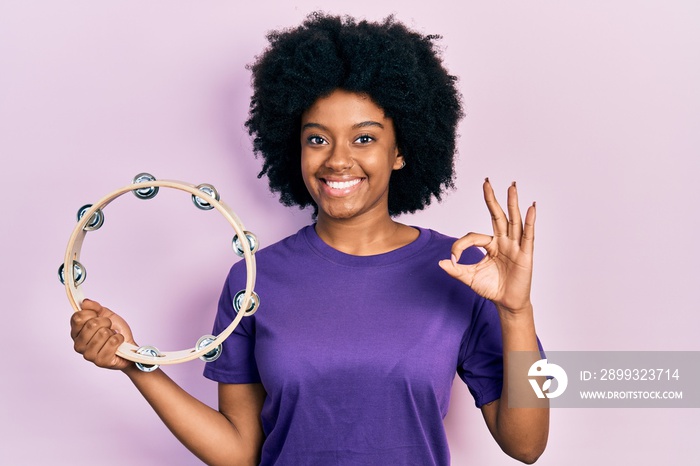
[357, 354]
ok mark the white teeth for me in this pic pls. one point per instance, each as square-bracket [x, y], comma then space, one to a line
[342, 184]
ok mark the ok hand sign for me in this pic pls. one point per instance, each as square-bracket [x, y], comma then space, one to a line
[504, 274]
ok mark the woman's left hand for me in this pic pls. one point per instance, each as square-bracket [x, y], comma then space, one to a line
[505, 273]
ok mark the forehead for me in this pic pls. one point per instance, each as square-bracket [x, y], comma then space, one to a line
[344, 106]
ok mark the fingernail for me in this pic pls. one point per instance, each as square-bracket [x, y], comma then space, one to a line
[513, 184]
[534, 204]
[453, 258]
[486, 180]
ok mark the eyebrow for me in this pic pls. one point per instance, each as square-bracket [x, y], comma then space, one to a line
[363, 124]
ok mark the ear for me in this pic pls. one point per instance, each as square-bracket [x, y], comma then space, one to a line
[399, 162]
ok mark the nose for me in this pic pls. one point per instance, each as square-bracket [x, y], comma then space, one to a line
[339, 158]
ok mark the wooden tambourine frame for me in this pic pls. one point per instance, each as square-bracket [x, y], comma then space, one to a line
[205, 197]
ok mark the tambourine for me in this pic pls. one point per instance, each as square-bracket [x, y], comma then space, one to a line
[205, 197]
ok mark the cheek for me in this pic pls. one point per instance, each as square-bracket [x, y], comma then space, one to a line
[384, 164]
[304, 162]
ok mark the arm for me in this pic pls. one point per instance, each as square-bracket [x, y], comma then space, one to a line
[520, 432]
[231, 435]
[504, 276]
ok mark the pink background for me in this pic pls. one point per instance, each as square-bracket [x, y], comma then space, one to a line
[593, 107]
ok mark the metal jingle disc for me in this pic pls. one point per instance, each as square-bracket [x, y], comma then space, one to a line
[145, 193]
[150, 351]
[79, 273]
[252, 242]
[97, 220]
[254, 302]
[212, 355]
[210, 191]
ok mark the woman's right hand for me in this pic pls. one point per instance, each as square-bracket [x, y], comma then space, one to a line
[97, 332]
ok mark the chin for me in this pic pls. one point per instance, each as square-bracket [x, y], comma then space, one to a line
[344, 215]
[339, 213]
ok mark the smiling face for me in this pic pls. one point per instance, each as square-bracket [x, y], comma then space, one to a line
[348, 151]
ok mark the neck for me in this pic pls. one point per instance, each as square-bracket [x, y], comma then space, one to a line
[364, 236]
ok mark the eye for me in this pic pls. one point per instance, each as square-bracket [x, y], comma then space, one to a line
[316, 140]
[364, 139]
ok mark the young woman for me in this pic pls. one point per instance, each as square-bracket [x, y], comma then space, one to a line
[363, 320]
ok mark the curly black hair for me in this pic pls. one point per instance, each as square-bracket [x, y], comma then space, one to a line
[399, 69]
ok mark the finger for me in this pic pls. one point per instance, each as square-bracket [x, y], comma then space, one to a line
[527, 244]
[77, 321]
[454, 270]
[107, 354]
[498, 217]
[96, 343]
[101, 311]
[82, 339]
[515, 222]
[90, 305]
[469, 240]
[462, 272]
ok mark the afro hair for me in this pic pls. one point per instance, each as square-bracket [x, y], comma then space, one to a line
[399, 69]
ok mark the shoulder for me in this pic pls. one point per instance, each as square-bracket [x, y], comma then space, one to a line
[291, 244]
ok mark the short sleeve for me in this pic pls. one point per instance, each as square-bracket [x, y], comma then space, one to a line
[237, 361]
[481, 354]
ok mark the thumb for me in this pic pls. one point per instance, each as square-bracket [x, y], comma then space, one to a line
[451, 267]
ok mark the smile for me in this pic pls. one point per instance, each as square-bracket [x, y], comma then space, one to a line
[342, 184]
